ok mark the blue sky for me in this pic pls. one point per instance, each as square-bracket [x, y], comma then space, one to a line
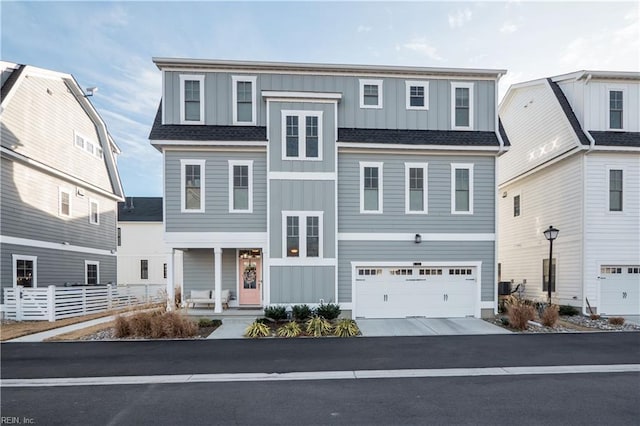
[110, 45]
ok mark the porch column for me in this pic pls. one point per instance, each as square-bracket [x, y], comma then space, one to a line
[217, 278]
[170, 285]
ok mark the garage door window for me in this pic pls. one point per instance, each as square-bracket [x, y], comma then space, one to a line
[460, 271]
[430, 271]
[369, 272]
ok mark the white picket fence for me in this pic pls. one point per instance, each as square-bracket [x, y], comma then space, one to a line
[53, 303]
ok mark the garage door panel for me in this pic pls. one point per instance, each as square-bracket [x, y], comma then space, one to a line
[620, 290]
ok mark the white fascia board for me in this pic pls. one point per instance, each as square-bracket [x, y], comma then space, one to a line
[417, 147]
[302, 175]
[388, 236]
[303, 261]
[616, 148]
[301, 95]
[215, 239]
[54, 246]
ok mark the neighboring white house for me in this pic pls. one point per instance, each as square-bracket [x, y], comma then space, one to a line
[142, 253]
[574, 164]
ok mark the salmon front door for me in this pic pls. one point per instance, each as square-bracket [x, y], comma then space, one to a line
[250, 275]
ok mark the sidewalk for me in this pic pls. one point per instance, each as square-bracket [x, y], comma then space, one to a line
[39, 337]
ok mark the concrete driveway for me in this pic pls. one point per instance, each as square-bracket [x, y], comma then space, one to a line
[426, 327]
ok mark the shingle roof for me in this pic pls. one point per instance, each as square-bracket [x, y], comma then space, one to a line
[503, 133]
[140, 209]
[418, 137]
[161, 131]
[627, 139]
[10, 81]
[571, 116]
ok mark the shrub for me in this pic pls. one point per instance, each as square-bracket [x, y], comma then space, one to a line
[121, 327]
[301, 312]
[177, 297]
[265, 320]
[569, 311]
[346, 327]
[290, 329]
[155, 325]
[318, 326]
[257, 329]
[174, 325]
[550, 316]
[275, 312]
[206, 322]
[594, 317]
[140, 324]
[520, 314]
[616, 321]
[330, 311]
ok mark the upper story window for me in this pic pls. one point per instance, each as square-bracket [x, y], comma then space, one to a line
[244, 100]
[94, 212]
[64, 200]
[462, 106]
[119, 237]
[240, 186]
[516, 206]
[192, 99]
[84, 143]
[462, 188]
[417, 95]
[615, 190]
[302, 135]
[303, 234]
[192, 186]
[371, 94]
[615, 109]
[371, 187]
[415, 175]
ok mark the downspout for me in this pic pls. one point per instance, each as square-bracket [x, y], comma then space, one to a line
[592, 144]
[495, 203]
[496, 125]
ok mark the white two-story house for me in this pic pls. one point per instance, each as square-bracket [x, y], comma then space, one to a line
[574, 164]
[369, 186]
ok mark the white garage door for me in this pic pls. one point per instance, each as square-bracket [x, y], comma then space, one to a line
[620, 290]
[408, 291]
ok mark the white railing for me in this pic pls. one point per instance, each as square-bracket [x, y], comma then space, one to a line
[53, 303]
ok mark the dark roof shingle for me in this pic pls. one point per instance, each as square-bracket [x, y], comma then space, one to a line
[10, 81]
[418, 137]
[503, 133]
[625, 139]
[140, 209]
[571, 116]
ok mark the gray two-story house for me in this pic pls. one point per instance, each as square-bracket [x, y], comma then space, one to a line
[369, 186]
[60, 184]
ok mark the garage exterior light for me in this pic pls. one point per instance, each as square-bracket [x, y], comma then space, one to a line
[418, 239]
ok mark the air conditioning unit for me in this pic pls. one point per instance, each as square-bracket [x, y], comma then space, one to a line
[79, 192]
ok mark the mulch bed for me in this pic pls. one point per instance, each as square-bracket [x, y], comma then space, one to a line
[567, 324]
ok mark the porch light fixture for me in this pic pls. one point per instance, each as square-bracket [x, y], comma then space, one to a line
[550, 234]
[418, 238]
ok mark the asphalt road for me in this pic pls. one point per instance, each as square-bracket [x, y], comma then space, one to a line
[562, 399]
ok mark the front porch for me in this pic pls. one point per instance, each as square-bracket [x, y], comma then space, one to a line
[230, 313]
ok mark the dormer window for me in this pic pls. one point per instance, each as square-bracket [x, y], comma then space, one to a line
[371, 94]
[244, 100]
[192, 99]
[417, 95]
[462, 106]
[615, 109]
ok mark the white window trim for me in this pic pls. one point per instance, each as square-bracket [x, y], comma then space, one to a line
[624, 108]
[249, 164]
[302, 134]
[183, 196]
[380, 92]
[191, 77]
[302, 233]
[379, 165]
[97, 149]
[455, 85]
[423, 84]
[14, 269]
[458, 166]
[425, 180]
[91, 262]
[235, 79]
[69, 192]
[608, 189]
[97, 203]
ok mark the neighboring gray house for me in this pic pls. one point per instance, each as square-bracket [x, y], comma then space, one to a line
[60, 183]
[370, 186]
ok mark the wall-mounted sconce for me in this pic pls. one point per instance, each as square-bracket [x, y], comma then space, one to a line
[418, 238]
[504, 194]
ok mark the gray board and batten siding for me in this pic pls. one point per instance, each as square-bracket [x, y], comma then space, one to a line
[438, 186]
[302, 284]
[409, 251]
[393, 115]
[216, 217]
[199, 266]
[56, 267]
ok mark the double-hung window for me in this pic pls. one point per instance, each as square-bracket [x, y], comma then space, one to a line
[144, 269]
[462, 106]
[192, 99]
[302, 135]
[25, 270]
[371, 94]
[417, 95]
[615, 190]
[91, 272]
[241, 186]
[244, 99]
[94, 212]
[192, 186]
[616, 98]
[64, 202]
[302, 234]
[371, 187]
[462, 188]
[415, 177]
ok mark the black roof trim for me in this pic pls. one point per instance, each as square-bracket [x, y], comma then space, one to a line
[418, 137]
[503, 133]
[140, 209]
[624, 139]
[10, 81]
[161, 132]
[571, 116]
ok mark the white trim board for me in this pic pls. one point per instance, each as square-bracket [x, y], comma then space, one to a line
[215, 239]
[301, 95]
[302, 175]
[54, 246]
[388, 236]
[394, 147]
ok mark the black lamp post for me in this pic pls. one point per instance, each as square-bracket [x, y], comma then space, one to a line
[550, 234]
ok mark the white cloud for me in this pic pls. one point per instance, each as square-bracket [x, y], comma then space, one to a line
[460, 17]
[364, 28]
[420, 45]
[508, 28]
